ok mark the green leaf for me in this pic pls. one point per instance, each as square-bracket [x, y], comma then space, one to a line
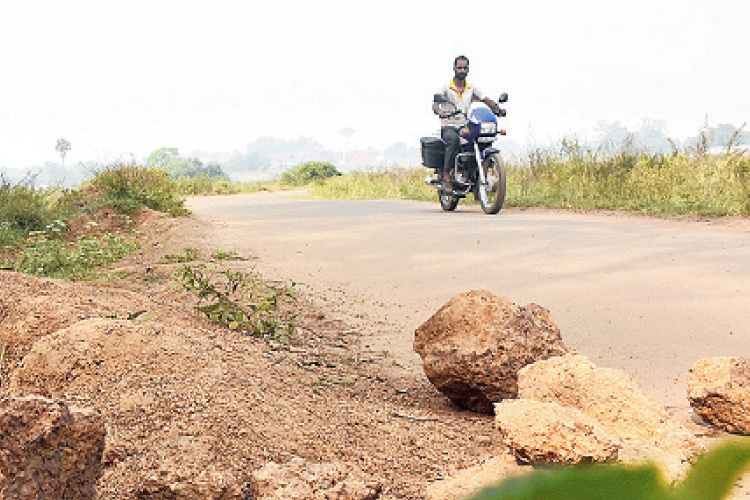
[582, 482]
[714, 473]
[710, 478]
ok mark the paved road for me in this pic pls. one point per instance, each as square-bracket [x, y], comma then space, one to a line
[644, 295]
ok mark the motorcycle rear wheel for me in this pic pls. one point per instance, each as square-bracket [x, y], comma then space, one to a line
[492, 193]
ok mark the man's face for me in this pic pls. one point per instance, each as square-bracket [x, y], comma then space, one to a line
[461, 69]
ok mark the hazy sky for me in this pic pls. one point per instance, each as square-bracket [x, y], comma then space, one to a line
[125, 77]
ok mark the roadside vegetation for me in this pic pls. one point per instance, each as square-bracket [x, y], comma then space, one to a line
[576, 177]
[400, 184]
[35, 231]
[203, 185]
[194, 178]
[310, 172]
[686, 182]
[239, 300]
[41, 234]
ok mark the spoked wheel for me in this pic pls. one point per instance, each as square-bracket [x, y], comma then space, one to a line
[447, 201]
[492, 193]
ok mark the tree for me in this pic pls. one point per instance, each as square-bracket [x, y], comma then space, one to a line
[63, 146]
[169, 159]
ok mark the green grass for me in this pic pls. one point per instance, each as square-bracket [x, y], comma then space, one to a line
[207, 186]
[578, 178]
[678, 183]
[397, 184]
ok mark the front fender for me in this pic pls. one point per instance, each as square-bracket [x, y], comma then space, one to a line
[488, 152]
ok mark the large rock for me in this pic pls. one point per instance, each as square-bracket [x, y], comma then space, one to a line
[473, 347]
[549, 433]
[469, 482]
[719, 392]
[48, 450]
[611, 398]
[300, 479]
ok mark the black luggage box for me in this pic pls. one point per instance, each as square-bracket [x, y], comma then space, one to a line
[432, 152]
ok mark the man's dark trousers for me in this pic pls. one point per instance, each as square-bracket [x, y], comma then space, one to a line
[452, 140]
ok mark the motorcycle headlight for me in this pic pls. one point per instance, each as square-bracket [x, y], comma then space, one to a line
[488, 128]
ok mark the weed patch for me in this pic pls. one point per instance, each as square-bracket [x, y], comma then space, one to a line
[240, 301]
[56, 258]
[189, 254]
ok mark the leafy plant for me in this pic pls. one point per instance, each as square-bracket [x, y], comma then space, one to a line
[54, 257]
[710, 478]
[239, 301]
[189, 255]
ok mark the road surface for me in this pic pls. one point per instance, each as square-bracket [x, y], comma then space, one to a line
[644, 295]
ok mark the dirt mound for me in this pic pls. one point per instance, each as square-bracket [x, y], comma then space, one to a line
[192, 409]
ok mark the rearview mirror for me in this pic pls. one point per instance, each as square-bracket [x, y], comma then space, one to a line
[503, 97]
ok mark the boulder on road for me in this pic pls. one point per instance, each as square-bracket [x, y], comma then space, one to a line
[719, 392]
[474, 346]
[549, 433]
[301, 479]
[611, 398]
[48, 450]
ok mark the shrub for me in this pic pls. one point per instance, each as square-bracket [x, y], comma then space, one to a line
[23, 209]
[308, 173]
[126, 188]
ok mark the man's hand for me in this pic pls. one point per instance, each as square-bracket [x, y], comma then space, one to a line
[498, 111]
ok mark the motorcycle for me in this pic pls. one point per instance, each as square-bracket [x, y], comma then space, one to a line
[488, 183]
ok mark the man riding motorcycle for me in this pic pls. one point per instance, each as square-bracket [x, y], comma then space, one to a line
[454, 113]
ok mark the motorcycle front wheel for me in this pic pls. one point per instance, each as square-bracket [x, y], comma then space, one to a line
[447, 201]
[492, 192]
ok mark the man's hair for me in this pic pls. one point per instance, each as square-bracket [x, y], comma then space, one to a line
[461, 58]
